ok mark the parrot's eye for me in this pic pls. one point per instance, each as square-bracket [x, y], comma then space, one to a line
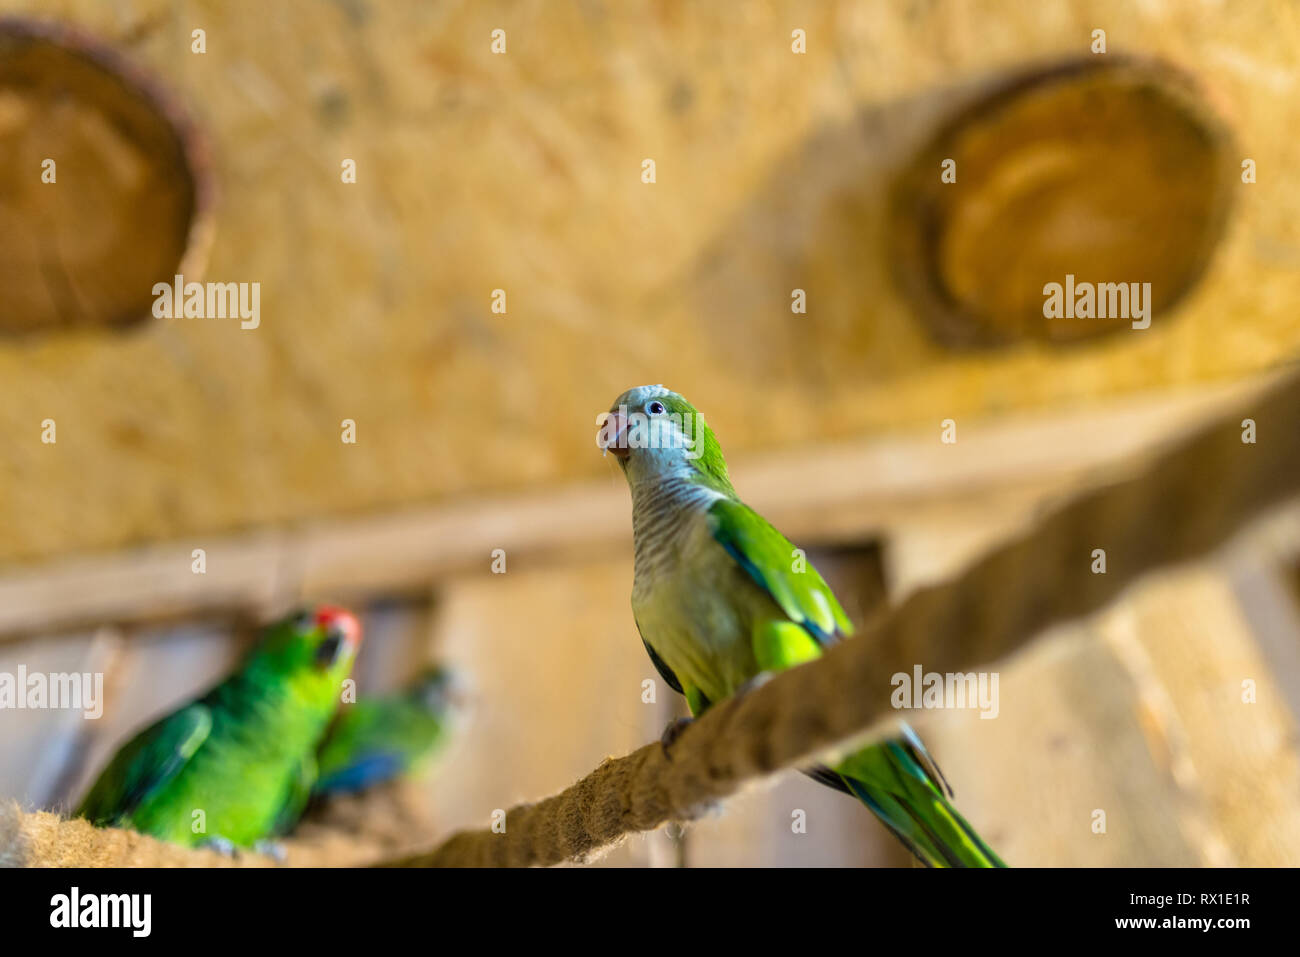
[304, 621]
[655, 408]
[327, 652]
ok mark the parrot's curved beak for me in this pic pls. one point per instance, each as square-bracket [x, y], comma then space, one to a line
[342, 619]
[613, 435]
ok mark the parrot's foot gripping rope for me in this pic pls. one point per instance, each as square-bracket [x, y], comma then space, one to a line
[672, 732]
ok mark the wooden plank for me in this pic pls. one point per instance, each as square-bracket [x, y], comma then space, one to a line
[36, 746]
[1269, 595]
[1066, 745]
[1137, 713]
[397, 642]
[556, 667]
[757, 828]
[1240, 749]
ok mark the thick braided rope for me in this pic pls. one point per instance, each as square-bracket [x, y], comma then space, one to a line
[1188, 501]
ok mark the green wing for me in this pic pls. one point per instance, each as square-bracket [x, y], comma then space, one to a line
[661, 666]
[146, 763]
[771, 562]
[298, 796]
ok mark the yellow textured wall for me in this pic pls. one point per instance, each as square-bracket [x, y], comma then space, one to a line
[523, 172]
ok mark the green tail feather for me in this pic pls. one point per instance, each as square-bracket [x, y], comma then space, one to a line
[903, 787]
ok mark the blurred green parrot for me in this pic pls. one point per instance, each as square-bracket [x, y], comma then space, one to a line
[384, 737]
[244, 753]
[720, 597]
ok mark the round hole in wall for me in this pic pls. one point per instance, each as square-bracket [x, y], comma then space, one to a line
[103, 184]
[1105, 171]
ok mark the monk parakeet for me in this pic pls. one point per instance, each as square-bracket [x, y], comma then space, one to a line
[384, 737]
[244, 753]
[721, 597]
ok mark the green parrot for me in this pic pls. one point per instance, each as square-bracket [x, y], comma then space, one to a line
[244, 753]
[381, 738]
[718, 602]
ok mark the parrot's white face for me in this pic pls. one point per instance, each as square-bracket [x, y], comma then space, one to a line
[653, 432]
